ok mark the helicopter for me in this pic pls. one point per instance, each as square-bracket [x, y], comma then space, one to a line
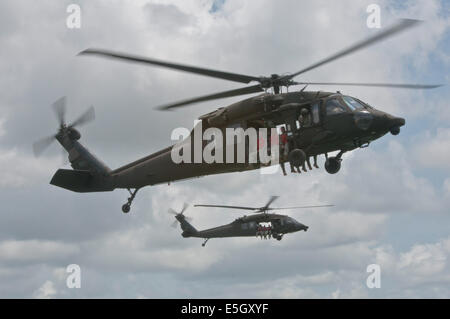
[336, 122]
[260, 224]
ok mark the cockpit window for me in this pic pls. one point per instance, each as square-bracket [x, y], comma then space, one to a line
[366, 105]
[352, 103]
[333, 106]
[315, 113]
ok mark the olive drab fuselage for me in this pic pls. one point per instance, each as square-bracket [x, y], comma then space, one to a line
[334, 126]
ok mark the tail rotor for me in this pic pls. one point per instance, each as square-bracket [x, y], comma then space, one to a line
[179, 217]
[60, 108]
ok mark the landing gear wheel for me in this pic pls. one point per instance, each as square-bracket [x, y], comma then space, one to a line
[333, 165]
[126, 208]
[297, 157]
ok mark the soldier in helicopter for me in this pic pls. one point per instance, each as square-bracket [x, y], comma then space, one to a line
[284, 150]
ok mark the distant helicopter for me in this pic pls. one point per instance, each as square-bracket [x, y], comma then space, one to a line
[260, 224]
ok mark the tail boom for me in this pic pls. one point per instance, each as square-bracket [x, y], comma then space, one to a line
[89, 173]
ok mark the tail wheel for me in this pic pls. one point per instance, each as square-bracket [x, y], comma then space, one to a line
[126, 208]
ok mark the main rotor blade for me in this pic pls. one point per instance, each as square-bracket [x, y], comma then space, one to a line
[41, 145]
[296, 207]
[392, 85]
[226, 206]
[59, 106]
[271, 200]
[181, 67]
[267, 208]
[174, 224]
[235, 92]
[402, 25]
[86, 117]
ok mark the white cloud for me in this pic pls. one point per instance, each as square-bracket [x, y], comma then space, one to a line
[422, 264]
[424, 260]
[34, 251]
[22, 170]
[46, 291]
[433, 150]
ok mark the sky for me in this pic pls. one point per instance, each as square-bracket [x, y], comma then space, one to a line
[391, 198]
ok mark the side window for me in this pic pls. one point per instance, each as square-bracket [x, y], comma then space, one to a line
[334, 107]
[315, 113]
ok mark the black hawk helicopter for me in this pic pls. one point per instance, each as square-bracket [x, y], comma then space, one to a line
[260, 223]
[336, 123]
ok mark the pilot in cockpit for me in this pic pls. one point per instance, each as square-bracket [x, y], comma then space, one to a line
[304, 118]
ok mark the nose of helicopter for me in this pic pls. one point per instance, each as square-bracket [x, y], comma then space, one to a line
[397, 121]
[394, 124]
[300, 226]
[383, 121]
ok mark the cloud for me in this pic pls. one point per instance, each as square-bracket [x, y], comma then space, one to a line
[433, 150]
[161, 17]
[2, 131]
[34, 251]
[46, 291]
[422, 266]
[19, 170]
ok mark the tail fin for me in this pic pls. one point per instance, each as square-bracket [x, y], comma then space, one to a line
[81, 181]
[89, 174]
[82, 159]
[188, 229]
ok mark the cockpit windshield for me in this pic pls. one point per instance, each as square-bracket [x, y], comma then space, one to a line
[352, 103]
[334, 106]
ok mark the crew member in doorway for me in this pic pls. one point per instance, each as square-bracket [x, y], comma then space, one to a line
[315, 162]
[284, 149]
[304, 118]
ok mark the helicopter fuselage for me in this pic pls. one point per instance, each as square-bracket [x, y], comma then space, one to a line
[313, 123]
[335, 125]
[250, 226]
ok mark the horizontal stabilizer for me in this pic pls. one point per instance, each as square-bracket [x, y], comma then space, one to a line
[80, 181]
